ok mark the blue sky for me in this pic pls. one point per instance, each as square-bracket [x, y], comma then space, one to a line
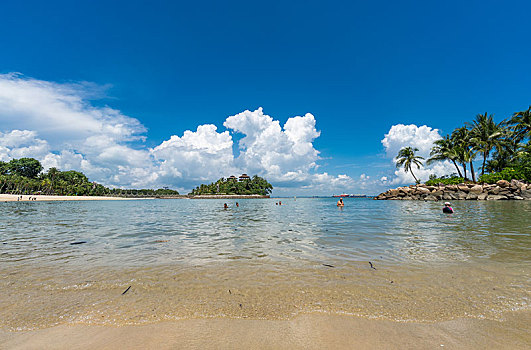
[358, 67]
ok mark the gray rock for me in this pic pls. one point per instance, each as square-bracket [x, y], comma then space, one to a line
[476, 189]
[495, 197]
[446, 196]
[518, 198]
[503, 183]
[494, 190]
[463, 188]
[430, 198]
[526, 194]
[482, 196]
[461, 195]
[423, 190]
[471, 196]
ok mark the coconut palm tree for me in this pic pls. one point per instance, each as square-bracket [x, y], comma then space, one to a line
[406, 157]
[444, 149]
[485, 135]
[521, 124]
[462, 139]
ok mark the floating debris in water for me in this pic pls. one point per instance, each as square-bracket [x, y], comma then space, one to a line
[76, 243]
[125, 291]
[327, 265]
[372, 267]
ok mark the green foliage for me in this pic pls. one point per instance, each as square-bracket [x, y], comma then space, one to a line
[506, 174]
[255, 185]
[507, 144]
[444, 180]
[21, 176]
[27, 167]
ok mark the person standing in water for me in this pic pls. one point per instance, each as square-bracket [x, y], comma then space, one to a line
[447, 209]
[340, 203]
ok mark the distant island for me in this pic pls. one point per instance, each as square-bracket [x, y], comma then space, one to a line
[233, 186]
[24, 176]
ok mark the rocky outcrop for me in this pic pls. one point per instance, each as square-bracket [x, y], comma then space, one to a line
[501, 190]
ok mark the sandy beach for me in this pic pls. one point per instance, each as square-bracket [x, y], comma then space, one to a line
[311, 331]
[25, 198]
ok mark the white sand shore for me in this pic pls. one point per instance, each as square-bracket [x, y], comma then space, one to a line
[303, 332]
[15, 198]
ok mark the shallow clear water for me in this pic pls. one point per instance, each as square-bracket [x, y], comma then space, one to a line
[182, 256]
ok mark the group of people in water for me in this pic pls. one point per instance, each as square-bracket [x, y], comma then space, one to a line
[447, 209]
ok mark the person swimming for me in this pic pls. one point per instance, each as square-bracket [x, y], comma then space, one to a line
[225, 206]
[447, 209]
[340, 203]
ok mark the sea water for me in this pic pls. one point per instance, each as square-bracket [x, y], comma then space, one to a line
[71, 262]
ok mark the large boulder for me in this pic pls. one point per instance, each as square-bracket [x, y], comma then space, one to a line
[476, 189]
[451, 188]
[503, 183]
[393, 192]
[423, 190]
[494, 190]
[526, 194]
[482, 196]
[430, 198]
[463, 188]
[461, 195]
[495, 197]
[447, 197]
[471, 196]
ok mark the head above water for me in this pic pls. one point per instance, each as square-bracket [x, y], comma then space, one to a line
[447, 204]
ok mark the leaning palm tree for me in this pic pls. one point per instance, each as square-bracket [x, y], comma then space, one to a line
[406, 157]
[485, 135]
[521, 124]
[444, 149]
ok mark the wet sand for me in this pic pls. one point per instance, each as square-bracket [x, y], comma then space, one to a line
[41, 197]
[310, 331]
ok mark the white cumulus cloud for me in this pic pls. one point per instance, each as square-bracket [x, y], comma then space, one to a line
[59, 124]
[421, 137]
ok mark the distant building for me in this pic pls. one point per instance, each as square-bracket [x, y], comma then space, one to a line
[232, 178]
[244, 177]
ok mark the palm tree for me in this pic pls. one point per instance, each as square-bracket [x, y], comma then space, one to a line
[485, 135]
[521, 124]
[444, 149]
[406, 157]
[466, 154]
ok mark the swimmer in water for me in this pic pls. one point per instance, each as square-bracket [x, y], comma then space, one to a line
[225, 206]
[447, 209]
[340, 203]
[237, 205]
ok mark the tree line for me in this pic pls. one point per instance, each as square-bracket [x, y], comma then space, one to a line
[504, 149]
[255, 185]
[26, 176]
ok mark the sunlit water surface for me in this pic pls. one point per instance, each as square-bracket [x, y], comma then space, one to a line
[192, 258]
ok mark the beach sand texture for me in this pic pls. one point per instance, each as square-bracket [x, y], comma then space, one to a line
[311, 331]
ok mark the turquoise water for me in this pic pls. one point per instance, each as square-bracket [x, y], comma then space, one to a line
[192, 258]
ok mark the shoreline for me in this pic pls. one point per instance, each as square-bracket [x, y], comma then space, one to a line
[4, 197]
[41, 198]
[307, 331]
